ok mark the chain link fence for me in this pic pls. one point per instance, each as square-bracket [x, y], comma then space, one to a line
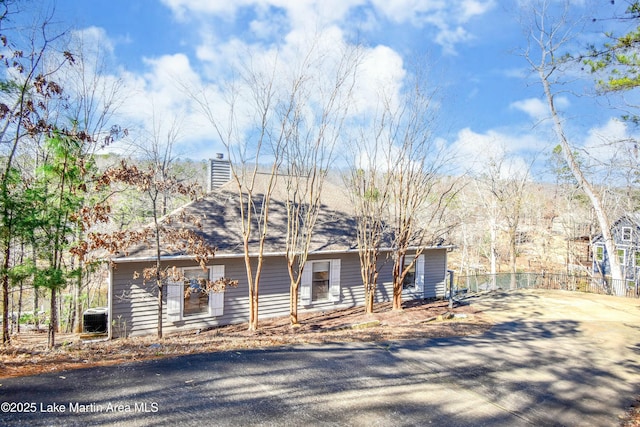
[559, 281]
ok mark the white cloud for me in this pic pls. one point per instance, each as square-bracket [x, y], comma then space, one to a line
[603, 143]
[93, 39]
[474, 151]
[447, 17]
[538, 109]
[380, 77]
[284, 29]
[533, 107]
[473, 8]
[517, 73]
[228, 8]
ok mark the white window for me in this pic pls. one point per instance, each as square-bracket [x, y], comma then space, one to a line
[320, 282]
[599, 253]
[414, 280]
[409, 281]
[621, 256]
[189, 297]
[196, 297]
[626, 234]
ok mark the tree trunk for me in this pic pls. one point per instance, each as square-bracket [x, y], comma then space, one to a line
[53, 319]
[36, 309]
[293, 302]
[513, 259]
[77, 306]
[494, 252]
[398, 278]
[6, 338]
[397, 299]
[154, 198]
[159, 285]
[369, 299]
[596, 201]
[20, 295]
[253, 310]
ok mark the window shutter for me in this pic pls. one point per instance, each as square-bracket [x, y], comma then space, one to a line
[420, 274]
[305, 284]
[175, 299]
[216, 299]
[334, 280]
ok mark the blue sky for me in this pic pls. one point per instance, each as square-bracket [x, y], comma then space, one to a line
[470, 47]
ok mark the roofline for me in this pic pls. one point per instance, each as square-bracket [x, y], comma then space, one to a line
[268, 254]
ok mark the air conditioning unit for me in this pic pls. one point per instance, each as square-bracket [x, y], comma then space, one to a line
[95, 320]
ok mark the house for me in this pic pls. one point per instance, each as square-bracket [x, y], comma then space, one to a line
[626, 235]
[331, 276]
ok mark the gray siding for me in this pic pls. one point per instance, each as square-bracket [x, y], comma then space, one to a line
[435, 272]
[134, 303]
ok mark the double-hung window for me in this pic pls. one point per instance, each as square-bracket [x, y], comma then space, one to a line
[190, 296]
[320, 282]
[409, 281]
[599, 253]
[414, 279]
[196, 297]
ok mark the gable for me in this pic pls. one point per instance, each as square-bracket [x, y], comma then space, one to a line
[625, 231]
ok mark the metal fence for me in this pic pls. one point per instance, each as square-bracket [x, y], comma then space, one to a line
[559, 281]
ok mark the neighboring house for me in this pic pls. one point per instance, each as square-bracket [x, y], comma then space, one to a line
[626, 234]
[331, 277]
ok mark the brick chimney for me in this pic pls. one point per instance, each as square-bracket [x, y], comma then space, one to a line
[219, 172]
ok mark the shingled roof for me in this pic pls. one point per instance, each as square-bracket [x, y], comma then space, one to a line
[219, 214]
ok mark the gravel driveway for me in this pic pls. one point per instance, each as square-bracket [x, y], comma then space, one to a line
[553, 358]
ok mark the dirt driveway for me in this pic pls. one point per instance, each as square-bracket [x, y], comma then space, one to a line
[551, 358]
[583, 348]
[612, 322]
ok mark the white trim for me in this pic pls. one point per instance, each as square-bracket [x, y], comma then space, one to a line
[335, 289]
[420, 270]
[306, 282]
[175, 300]
[410, 258]
[109, 304]
[216, 299]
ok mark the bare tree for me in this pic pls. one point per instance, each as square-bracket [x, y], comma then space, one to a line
[321, 105]
[506, 184]
[254, 132]
[397, 184]
[179, 233]
[419, 196]
[93, 99]
[158, 148]
[550, 32]
[370, 191]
